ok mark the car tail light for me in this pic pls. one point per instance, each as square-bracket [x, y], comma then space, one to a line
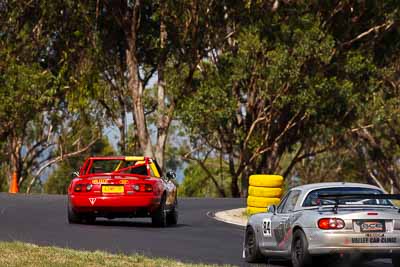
[78, 188]
[330, 223]
[89, 187]
[142, 187]
[136, 187]
[148, 188]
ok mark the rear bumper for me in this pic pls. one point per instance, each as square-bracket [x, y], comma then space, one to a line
[331, 242]
[117, 203]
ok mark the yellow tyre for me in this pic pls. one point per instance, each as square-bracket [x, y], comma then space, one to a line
[261, 202]
[254, 210]
[266, 180]
[257, 191]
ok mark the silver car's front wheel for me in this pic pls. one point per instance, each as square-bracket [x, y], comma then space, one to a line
[251, 252]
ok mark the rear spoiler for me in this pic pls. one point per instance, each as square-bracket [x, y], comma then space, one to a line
[337, 197]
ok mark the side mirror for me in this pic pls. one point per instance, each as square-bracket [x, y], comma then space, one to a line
[171, 175]
[74, 174]
[272, 209]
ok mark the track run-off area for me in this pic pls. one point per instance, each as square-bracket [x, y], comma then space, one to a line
[198, 238]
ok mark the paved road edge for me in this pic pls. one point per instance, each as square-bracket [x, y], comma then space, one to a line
[234, 216]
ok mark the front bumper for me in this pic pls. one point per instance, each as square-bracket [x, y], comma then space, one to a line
[327, 242]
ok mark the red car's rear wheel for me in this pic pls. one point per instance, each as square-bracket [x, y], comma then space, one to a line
[159, 217]
[73, 217]
[172, 216]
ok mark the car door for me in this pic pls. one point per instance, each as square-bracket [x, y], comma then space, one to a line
[268, 234]
[281, 221]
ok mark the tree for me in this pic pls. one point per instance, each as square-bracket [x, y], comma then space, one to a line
[375, 144]
[290, 80]
[371, 145]
[42, 66]
[159, 35]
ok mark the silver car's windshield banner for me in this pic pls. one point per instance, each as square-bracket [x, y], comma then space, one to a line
[358, 196]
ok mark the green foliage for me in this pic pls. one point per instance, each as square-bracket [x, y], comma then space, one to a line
[47, 79]
[3, 178]
[59, 180]
[262, 84]
[26, 91]
[292, 78]
[198, 184]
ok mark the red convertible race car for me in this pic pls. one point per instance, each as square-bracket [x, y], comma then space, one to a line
[122, 187]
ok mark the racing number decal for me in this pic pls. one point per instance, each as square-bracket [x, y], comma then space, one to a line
[267, 227]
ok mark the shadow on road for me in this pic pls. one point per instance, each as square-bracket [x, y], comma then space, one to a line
[134, 224]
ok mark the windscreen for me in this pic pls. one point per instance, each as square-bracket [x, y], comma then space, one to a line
[313, 200]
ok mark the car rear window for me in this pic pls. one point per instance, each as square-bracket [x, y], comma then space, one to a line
[118, 166]
[104, 166]
[313, 200]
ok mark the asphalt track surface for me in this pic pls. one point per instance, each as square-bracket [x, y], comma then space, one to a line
[198, 238]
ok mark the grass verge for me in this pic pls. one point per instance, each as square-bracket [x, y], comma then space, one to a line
[23, 254]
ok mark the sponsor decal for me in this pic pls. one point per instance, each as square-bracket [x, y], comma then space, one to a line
[123, 181]
[92, 200]
[372, 227]
[266, 226]
[373, 240]
[375, 235]
[99, 181]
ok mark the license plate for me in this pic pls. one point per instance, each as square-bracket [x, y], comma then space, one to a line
[116, 189]
[372, 226]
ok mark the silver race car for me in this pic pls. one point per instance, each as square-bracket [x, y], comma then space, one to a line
[316, 220]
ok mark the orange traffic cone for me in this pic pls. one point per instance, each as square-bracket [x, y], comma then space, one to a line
[14, 184]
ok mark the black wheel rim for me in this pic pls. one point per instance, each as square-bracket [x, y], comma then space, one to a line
[250, 242]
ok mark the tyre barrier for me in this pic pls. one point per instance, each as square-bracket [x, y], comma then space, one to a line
[264, 190]
[254, 210]
[261, 202]
[258, 191]
[266, 180]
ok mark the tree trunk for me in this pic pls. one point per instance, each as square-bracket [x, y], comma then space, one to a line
[234, 182]
[245, 182]
[135, 84]
[164, 115]
[122, 131]
[136, 87]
